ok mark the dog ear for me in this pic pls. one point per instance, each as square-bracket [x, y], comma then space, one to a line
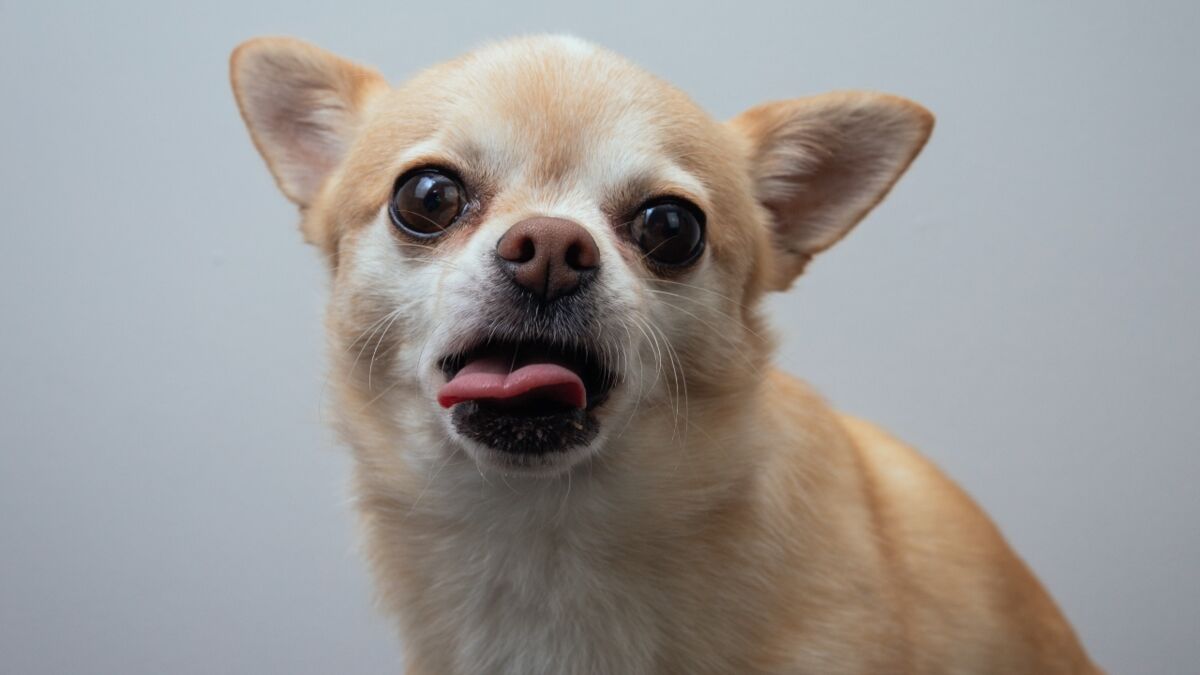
[820, 164]
[303, 106]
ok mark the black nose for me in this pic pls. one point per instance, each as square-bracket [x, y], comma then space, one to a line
[549, 257]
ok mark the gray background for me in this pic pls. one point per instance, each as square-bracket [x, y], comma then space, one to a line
[1023, 308]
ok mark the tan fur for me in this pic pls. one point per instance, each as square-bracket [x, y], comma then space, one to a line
[730, 522]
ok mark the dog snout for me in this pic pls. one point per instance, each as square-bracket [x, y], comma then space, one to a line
[548, 257]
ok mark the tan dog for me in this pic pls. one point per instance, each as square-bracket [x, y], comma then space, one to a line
[573, 455]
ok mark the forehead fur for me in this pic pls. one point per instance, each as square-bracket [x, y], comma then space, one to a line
[549, 114]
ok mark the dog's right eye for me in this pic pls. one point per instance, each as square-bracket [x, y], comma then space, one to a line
[426, 203]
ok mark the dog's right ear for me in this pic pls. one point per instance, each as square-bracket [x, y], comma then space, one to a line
[303, 106]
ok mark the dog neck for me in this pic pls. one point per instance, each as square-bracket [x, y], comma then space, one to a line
[574, 573]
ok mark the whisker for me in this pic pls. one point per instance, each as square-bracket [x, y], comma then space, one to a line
[701, 288]
[371, 365]
[424, 217]
[387, 318]
[737, 347]
[449, 456]
[701, 302]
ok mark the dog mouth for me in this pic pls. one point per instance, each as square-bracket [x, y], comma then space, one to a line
[528, 397]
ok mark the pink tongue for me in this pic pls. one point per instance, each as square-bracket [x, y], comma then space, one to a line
[489, 378]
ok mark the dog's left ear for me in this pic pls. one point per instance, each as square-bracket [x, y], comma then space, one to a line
[820, 164]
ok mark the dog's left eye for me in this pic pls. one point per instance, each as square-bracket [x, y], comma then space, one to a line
[426, 203]
[670, 231]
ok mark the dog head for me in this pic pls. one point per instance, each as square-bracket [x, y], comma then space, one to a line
[538, 248]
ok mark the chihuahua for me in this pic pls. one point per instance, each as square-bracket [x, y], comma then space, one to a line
[573, 455]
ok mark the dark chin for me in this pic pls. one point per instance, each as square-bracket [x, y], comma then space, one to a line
[529, 440]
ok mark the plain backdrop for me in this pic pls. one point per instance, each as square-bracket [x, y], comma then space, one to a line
[1024, 308]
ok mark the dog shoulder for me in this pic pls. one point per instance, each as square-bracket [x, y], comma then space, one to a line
[970, 597]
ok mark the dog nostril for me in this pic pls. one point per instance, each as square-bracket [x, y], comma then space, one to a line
[517, 247]
[526, 251]
[581, 256]
[574, 251]
[548, 256]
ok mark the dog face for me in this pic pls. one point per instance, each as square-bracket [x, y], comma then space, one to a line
[539, 249]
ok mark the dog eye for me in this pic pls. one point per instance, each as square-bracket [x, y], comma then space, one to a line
[426, 203]
[670, 232]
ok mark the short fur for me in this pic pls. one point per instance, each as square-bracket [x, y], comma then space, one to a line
[723, 519]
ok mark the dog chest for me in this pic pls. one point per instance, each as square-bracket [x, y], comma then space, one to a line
[536, 602]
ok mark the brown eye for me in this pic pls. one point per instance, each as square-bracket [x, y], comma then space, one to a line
[426, 203]
[671, 232]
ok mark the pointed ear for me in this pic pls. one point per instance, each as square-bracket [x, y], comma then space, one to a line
[819, 164]
[303, 106]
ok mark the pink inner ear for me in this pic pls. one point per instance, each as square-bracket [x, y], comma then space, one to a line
[302, 138]
[301, 104]
[311, 155]
[824, 162]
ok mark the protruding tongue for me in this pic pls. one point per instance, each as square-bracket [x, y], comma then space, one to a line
[490, 378]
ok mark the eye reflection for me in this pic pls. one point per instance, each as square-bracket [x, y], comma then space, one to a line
[670, 232]
[426, 203]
